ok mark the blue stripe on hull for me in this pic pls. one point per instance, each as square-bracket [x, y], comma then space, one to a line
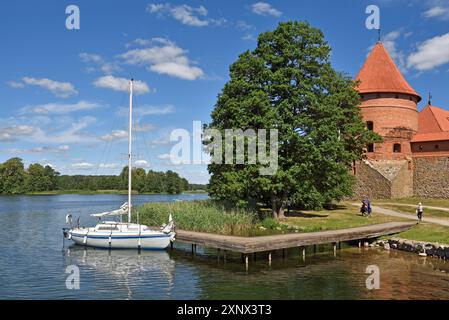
[124, 248]
[120, 237]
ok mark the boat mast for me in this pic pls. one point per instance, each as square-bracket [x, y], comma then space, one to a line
[130, 148]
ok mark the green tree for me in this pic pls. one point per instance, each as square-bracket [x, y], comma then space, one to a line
[287, 83]
[139, 179]
[13, 176]
[37, 179]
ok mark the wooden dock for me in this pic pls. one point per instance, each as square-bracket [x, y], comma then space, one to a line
[251, 245]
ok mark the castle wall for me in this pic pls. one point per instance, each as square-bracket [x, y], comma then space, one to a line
[430, 146]
[402, 185]
[431, 177]
[370, 182]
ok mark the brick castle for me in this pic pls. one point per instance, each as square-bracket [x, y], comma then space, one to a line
[413, 159]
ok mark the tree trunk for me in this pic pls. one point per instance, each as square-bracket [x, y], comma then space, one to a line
[281, 211]
[274, 209]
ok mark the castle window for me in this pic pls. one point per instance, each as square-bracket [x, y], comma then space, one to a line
[397, 148]
[396, 96]
[437, 147]
[421, 147]
[370, 147]
[370, 125]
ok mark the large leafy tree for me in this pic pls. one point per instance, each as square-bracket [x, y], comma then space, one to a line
[13, 176]
[287, 83]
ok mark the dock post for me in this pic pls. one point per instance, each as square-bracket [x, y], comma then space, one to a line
[195, 248]
[269, 259]
[339, 245]
[171, 245]
[360, 244]
[335, 249]
[283, 253]
[218, 255]
[193, 251]
[314, 249]
[304, 253]
[246, 262]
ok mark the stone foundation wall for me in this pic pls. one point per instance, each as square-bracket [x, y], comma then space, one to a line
[431, 177]
[402, 184]
[370, 183]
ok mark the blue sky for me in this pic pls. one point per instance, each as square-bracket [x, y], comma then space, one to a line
[62, 92]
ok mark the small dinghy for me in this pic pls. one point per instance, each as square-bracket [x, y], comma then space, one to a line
[121, 235]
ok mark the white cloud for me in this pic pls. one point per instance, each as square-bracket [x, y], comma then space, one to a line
[164, 156]
[389, 41]
[146, 110]
[143, 127]
[265, 9]
[109, 165]
[243, 25]
[121, 84]
[11, 133]
[60, 108]
[115, 135]
[191, 16]
[141, 164]
[59, 89]
[430, 54]
[164, 58]
[437, 12]
[103, 65]
[16, 84]
[59, 149]
[83, 166]
[74, 133]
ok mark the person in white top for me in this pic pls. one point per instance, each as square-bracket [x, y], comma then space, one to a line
[419, 211]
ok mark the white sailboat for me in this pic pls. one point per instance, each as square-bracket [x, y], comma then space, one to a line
[122, 235]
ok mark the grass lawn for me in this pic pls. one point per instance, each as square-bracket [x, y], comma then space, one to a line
[444, 203]
[427, 232]
[433, 213]
[344, 216]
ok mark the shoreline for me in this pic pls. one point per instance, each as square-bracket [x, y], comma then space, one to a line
[98, 192]
[421, 248]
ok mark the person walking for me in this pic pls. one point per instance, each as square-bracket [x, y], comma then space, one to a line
[420, 211]
[368, 206]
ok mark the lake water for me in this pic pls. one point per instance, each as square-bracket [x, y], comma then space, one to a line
[33, 263]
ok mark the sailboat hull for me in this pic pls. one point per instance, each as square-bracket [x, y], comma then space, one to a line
[146, 241]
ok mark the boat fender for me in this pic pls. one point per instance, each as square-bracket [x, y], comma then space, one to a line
[69, 236]
[110, 240]
[85, 239]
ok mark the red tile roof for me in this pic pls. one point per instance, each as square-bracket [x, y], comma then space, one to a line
[433, 119]
[434, 136]
[380, 74]
[433, 125]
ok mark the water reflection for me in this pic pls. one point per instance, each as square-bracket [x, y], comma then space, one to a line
[128, 269]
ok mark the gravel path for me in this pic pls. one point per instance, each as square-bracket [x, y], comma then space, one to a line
[388, 212]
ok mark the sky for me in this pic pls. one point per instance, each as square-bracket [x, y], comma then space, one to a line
[63, 92]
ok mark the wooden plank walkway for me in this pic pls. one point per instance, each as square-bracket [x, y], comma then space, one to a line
[248, 245]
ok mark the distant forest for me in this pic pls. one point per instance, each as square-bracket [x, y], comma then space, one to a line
[16, 179]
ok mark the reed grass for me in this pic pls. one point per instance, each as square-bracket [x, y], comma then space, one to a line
[201, 216]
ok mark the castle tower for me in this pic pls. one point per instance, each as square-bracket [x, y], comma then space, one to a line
[389, 106]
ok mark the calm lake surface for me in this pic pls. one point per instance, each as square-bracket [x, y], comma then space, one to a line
[33, 263]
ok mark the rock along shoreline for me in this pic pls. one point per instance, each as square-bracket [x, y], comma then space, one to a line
[422, 248]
